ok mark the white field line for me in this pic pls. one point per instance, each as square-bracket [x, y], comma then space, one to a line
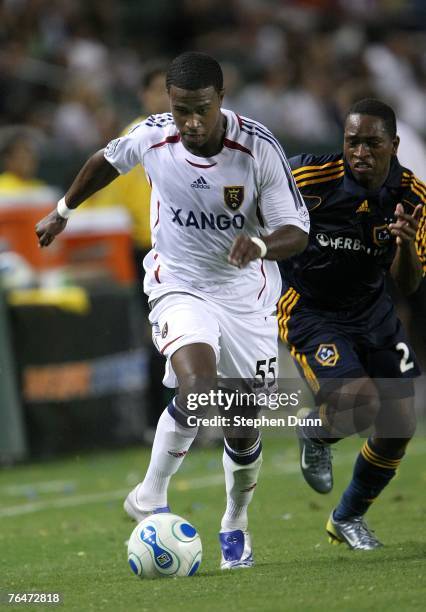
[48, 486]
[179, 484]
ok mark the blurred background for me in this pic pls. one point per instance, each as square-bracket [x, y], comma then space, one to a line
[76, 365]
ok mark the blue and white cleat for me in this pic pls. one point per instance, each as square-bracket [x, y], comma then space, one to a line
[133, 507]
[236, 549]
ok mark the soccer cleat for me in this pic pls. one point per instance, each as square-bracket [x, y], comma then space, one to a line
[353, 532]
[134, 509]
[315, 463]
[236, 549]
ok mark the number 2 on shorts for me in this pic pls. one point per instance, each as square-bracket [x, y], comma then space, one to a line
[404, 365]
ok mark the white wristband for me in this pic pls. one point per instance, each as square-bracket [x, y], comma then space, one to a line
[63, 210]
[261, 245]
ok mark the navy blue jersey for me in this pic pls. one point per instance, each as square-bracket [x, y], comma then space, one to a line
[350, 247]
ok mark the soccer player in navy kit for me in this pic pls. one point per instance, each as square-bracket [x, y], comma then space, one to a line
[367, 218]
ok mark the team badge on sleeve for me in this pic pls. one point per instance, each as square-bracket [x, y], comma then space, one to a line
[111, 146]
[327, 355]
[233, 196]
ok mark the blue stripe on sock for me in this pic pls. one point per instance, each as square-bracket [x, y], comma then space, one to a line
[177, 414]
[244, 457]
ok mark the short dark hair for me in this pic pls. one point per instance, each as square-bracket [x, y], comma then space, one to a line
[376, 108]
[193, 70]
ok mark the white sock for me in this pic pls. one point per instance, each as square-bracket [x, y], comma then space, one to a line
[240, 483]
[171, 443]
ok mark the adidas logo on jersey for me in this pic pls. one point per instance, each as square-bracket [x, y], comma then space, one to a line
[200, 183]
[363, 207]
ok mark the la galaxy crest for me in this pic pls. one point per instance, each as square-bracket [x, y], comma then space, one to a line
[381, 235]
[233, 196]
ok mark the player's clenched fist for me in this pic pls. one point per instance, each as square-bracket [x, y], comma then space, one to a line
[244, 250]
[49, 227]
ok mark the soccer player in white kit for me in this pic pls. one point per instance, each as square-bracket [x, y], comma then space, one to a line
[224, 209]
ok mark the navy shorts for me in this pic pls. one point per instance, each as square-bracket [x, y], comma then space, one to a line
[330, 346]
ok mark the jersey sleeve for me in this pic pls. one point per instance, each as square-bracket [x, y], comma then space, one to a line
[280, 201]
[125, 152]
[414, 194]
[419, 189]
[299, 162]
[421, 240]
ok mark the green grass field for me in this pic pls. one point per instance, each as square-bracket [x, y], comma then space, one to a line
[62, 529]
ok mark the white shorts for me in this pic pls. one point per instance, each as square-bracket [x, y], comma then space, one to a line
[245, 346]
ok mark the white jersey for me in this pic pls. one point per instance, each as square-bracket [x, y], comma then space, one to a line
[200, 205]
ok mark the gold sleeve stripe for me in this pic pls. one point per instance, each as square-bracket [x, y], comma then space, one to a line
[337, 162]
[312, 175]
[419, 193]
[410, 176]
[333, 177]
[414, 181]
[420, 242]
[415, 191]
[420, 186]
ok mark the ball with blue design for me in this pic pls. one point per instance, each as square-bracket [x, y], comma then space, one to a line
[164, 546]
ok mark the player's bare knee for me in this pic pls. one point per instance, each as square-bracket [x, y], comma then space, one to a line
[198, 382]
[408, 427]
[366, 410]
[195, 368]
[355, 406]
[197, 393]
[403, 427]
[397, 419]
[391, 446]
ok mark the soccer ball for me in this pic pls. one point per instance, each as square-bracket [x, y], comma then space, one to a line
[164, 545]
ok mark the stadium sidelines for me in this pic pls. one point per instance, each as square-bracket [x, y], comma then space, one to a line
[292, 467]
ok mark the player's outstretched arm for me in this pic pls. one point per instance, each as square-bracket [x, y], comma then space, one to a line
[406, 269]
[96, 173]
[281, 244]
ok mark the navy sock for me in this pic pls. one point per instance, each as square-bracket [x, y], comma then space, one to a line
[373, 471]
